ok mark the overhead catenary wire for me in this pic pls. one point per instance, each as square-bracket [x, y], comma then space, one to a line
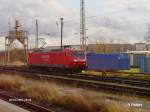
[75, 22]
[91, 17]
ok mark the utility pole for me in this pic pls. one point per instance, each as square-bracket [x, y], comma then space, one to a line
[17, 26]
[82, 25]
[37, 35]
[62, 23]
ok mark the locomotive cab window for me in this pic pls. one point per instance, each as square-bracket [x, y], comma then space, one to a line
[79, 54]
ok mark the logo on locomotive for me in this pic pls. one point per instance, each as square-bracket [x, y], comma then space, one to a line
[45, 57]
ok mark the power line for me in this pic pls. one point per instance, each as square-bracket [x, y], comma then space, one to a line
[91, 17]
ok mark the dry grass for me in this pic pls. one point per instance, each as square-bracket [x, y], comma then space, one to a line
[10, 82]
[16, 63]
[47, 92]
[138, 76]
[115, 107]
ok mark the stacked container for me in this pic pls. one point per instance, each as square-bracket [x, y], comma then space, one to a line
[136, 57]
[136, 60]
[145, 64]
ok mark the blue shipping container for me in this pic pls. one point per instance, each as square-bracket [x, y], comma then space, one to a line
[124, 61]
[145, 64]
[135, 59]
[108, 62]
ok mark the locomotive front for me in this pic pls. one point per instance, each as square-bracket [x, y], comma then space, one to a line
[79, 60]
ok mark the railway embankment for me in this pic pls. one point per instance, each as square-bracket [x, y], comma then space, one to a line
[50, 95]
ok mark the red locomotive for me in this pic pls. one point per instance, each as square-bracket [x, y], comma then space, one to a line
[62, 59]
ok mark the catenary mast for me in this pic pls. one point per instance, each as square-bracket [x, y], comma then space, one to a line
[82, 25]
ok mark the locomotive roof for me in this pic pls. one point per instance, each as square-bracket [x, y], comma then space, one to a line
[52, 50]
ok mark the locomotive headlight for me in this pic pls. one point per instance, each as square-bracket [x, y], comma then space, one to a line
[75, 60]
[83, 60]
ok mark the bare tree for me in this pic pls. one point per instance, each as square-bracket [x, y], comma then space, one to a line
[100, 46]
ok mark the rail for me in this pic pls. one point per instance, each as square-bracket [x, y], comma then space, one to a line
[88, 81]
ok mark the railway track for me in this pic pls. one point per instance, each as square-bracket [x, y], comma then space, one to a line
[86, 81]
[25, 105]
[119, 80]
[115, 88]
[110, 79]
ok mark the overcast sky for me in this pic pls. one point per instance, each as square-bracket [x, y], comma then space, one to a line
[119, 20]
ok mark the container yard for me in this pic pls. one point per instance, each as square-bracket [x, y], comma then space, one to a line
[74, 56]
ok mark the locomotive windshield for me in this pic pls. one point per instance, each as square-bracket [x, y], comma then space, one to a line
[79, 54]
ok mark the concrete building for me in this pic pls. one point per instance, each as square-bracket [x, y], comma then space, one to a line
[110, 48]
[140, 47]
[148, 47]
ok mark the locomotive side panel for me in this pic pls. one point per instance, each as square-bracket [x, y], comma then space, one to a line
[57, 59]
[51, 59]
[38, 59]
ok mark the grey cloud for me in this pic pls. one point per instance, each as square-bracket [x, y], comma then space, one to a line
[47, 11]
[125, 23]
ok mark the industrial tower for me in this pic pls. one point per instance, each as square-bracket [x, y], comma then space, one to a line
[82, 25]
[16, 34]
